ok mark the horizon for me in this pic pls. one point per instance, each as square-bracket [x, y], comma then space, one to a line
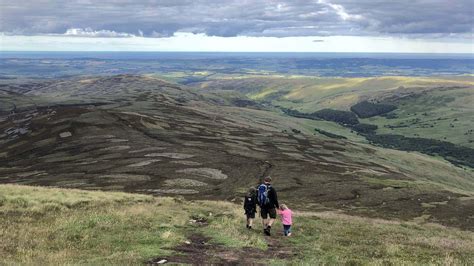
[189, 42]
[328, 55]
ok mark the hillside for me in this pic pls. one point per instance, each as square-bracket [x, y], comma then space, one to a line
[421, 112]
[79, 227]
[141, 134]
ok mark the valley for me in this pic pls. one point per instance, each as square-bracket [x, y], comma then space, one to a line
[353, 155]
[144, 135]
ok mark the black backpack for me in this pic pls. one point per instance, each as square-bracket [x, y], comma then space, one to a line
[250, 202]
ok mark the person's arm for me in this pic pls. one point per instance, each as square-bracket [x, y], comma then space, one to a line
[275, 199]
[254, 200]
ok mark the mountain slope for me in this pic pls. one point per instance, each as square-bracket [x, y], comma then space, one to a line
[140, 134]
[80, 227]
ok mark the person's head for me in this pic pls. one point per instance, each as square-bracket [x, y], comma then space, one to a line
[252, 191]
[283, 207]
[267, 180]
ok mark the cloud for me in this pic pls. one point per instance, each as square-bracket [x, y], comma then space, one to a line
[88, 32]
[259, 18]
[429, 17]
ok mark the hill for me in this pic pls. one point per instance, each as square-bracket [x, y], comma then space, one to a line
[437, 110]
[80, 227]
[142, 134]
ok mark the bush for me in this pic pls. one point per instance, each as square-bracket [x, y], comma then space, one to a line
[340, 117]
[456, 154]
[367, 109]
[329, 134]
[365, 128]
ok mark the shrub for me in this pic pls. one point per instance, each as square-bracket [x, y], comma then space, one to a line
[340, 117]
[367, 109]
[329, 134]
[451, 152]
[365, 128]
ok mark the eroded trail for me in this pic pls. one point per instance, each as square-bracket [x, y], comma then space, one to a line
[199, 250]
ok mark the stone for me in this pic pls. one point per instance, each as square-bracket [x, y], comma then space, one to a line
[65, 134]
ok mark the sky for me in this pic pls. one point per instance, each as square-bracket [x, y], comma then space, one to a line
[406, 26]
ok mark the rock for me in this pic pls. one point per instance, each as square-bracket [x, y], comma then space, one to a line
[163, 261]
[171, 191]
[65, 134]
[144, 163]
[170, 155]
[204, 172]
[118, 140]
[148, 149]
[184, 182]
[116, 148]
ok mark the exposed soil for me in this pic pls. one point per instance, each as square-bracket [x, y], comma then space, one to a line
[199, 251]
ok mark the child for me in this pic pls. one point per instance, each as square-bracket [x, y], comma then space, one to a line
[286, 219]
[250, 206]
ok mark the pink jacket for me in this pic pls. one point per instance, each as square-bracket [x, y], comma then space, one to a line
[286, 216]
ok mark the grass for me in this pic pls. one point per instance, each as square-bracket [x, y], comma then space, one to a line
[65, 226]
[309, 94]
[331, 238]
[421, 168]
[441, 115]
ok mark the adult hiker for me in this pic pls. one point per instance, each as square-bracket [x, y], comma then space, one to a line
[268, 202]
[250, 206]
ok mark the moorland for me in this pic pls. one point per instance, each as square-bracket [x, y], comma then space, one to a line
[377, 167]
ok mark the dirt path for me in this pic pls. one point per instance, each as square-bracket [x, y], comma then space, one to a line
[267, 168]
[198, 251]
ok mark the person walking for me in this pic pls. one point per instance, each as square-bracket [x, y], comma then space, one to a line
[250, 206]
[268, 201]
[286, 219]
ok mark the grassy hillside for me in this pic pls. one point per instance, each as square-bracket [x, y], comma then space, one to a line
[428, 107]
[140, 134]
[445, 115]
[309, 94]
[63, 226]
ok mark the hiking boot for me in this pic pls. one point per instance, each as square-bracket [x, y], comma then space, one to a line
[266, 231]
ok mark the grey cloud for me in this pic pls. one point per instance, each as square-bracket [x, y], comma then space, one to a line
[413, 16]
[162, 18]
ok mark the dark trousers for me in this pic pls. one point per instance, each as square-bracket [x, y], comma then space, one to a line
[286, 229]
